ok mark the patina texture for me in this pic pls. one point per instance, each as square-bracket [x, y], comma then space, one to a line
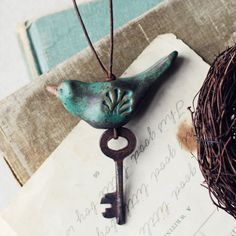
[111, 104]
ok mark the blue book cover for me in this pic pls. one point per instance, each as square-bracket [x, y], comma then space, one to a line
[49, 40]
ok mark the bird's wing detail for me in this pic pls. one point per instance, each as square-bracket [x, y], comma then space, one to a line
[118, 101]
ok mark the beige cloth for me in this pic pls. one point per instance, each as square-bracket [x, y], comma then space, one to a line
[33, 123]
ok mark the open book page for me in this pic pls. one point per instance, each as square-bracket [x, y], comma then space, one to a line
[164, 195]
[5, 229]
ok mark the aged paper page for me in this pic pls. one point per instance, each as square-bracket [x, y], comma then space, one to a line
[164, 195]
[5, 229]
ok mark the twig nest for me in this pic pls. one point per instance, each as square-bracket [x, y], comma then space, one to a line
[214, 121]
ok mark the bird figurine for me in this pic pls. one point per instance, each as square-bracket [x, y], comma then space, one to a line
[110, 104]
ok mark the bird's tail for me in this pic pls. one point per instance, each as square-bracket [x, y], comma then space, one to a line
[152, 74]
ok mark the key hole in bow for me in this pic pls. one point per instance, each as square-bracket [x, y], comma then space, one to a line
[117, 144]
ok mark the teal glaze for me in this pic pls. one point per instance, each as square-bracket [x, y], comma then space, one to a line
[111, 104]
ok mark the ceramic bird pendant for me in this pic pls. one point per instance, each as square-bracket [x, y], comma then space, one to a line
[110, 104]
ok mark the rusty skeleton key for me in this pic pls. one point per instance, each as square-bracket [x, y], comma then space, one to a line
[116, 199]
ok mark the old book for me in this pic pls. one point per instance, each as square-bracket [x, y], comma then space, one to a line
[164, 195]
[50, 40]
[33, 123]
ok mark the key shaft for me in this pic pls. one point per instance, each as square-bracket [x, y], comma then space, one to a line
[120, 193]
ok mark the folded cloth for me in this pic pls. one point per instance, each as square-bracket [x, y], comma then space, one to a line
[33, 123]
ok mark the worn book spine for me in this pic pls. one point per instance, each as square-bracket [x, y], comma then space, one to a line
[27, 50]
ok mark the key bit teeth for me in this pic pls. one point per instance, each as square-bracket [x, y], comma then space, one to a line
[109, 198]
[109, 213]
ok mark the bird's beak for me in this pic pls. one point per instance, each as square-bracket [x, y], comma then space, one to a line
[52, 89]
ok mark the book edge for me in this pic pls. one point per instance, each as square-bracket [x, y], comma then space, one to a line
[27, 50]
